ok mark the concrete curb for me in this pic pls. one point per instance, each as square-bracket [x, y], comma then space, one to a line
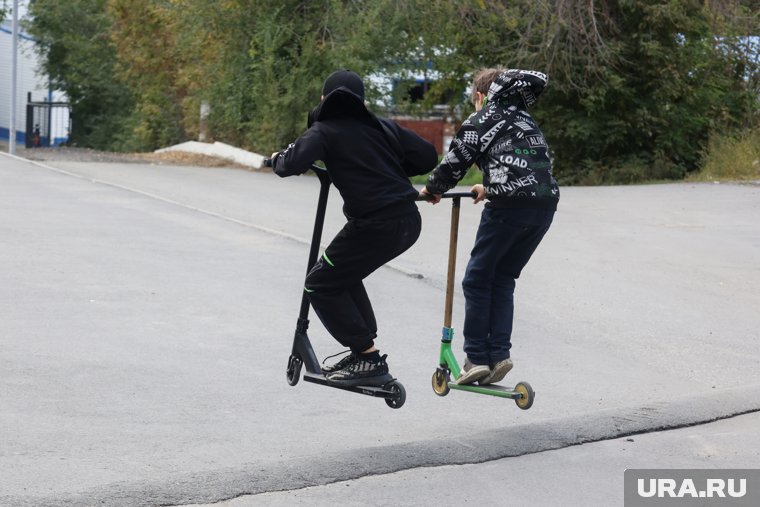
[220, 150]
[254, 478]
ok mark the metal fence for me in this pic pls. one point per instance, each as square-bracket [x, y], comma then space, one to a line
[47, 123]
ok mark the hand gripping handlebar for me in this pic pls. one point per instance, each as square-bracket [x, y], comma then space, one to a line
[448, 195]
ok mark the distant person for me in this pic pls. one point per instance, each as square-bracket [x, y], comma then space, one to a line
[369, 161]
[505, 142]
[36, 137]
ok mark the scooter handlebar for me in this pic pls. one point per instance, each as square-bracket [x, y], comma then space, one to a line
[322, 171]
[451, 195]
[314, 167]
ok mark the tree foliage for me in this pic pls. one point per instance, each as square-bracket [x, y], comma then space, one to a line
[73, 39]
[636, 86]
[145, 35]
[669, 80]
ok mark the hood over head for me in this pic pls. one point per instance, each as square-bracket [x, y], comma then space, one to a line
[344, 79]
[515, 85]
[343, 93]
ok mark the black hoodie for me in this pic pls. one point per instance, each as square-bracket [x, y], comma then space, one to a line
[370, 169]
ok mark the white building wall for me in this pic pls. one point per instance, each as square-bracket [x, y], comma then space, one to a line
[28, 81]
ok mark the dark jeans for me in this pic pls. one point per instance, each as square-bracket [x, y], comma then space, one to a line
[334, 285]
[505, 241]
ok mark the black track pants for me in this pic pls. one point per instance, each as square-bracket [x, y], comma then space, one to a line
[334, 285]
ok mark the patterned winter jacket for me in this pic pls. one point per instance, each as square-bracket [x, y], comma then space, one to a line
[506, 144]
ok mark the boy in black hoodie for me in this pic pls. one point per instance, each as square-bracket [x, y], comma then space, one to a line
[505, 142]
[369, 161]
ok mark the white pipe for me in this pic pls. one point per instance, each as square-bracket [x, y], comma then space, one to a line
[14, 79]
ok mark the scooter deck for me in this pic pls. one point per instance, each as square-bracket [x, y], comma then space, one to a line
[492, 390]
[376, 391]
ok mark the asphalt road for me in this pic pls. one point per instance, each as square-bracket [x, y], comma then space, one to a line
[589, 475]
[146, 316]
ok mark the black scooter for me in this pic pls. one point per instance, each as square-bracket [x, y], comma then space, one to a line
[303, 353]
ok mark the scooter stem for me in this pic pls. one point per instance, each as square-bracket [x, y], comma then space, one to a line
[452, 262]
[316, 236]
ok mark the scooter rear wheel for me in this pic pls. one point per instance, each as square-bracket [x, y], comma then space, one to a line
[397, 388]
[527, 395]
[293, 373]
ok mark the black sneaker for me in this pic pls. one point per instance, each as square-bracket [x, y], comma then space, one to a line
[329, 368]
[362, 371]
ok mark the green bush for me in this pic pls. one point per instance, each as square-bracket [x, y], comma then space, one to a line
[731, 157]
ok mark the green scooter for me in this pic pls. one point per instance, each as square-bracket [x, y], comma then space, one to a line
[448, 366]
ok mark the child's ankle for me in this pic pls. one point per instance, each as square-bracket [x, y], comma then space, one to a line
[372, 356]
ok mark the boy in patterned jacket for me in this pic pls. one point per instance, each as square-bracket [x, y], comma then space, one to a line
[507, 145]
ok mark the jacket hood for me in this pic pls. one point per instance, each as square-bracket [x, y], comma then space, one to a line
[344, 78]
[339, 102]
[514, 85]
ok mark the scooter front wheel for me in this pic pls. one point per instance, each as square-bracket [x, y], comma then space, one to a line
[293, 373]
[399, 397]
[440, 382]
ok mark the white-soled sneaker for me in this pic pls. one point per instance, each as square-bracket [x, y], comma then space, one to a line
[471, 373]
[498, 372]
